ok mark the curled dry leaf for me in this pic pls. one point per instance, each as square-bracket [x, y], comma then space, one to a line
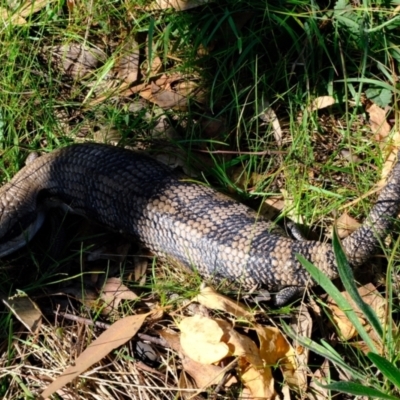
[113, 292]
[321, 102]
[275, 349]
[118, 334]
[377, 119]
[75, 59]
[259, 383]
[25, 310]
[203, 374]
[302, 324]
[372, 297]
[127, 66]
[346, 224]
[209, 298]
[321, 377]
[209, 341]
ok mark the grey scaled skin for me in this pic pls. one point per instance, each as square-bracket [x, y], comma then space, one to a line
[177, 219]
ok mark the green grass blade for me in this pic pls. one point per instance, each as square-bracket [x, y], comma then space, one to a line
[343, 304]
[325, 351]
[358, 390]
[347, 277]
[387, 368]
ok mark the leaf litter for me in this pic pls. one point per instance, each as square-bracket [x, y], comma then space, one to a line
[228, 345]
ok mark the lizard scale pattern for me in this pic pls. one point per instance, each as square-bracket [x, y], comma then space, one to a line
[199, 227]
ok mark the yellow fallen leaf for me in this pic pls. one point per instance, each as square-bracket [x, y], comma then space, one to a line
[244, 347]
[19, 18]
[258, 383]
[7, 17]
[321, 102]
[201, 339]
[275, 349]
[209, 298]
[204, 375]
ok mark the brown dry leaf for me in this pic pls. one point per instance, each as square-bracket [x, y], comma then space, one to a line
[116, 335]
[322, 376]
[156, 66]
[186, 382]
[128, 65]
[321, 102]
[173, 338]
[25, 310]
[344, 326]
[209, 298]
[160, 92]
[272, 206]
[257, 378]
[391, 159]
[370, 296]
[377, 120]
[346, 225]
[302, 324]
[74, 59]
[274, 348]
[113, 292]
[164, 98]
[208, 341]
[204, 375]
[201, 339]
[180, 5]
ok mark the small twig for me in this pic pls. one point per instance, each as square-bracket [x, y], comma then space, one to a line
[160, 341]
[224, 379]
[141, 365]
[82, 320]
[239, 153]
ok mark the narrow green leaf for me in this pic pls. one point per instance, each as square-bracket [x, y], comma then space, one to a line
[325, 351]
[371, 81]
[347, 277]
[358, 390]
[343, 304]
[389, 370]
